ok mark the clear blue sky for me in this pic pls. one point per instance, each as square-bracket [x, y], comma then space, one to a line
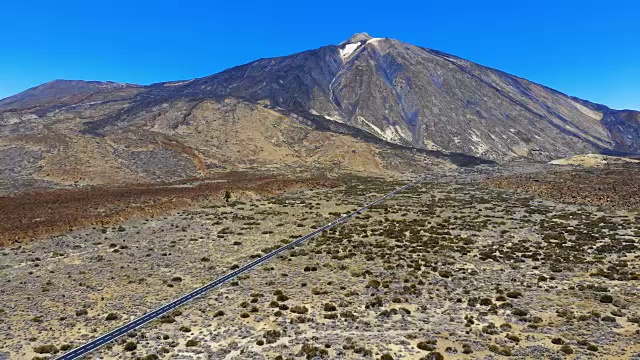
[589, 49]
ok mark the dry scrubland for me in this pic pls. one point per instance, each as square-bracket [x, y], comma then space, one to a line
[453, 268]
[27, 216]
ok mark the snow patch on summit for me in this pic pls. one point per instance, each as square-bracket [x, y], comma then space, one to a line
[373, 41]
[349, 49]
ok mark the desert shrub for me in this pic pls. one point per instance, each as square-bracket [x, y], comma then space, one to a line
[584, 317]
[318, 291]
[166, 319]
[490, 329]
[592, 347]
[329, 307]
[185, 328]
[130, 346]
[299, 309]
[513, 337]
[363, 351]
[617, 312]
[192, 342]
[66, 347]
[608, 318]
[566, 349]
[374, 303]
[606, 299]
[81, 312]
[271, 336]
[244, 315]
[373, 283]
[519, 312]
[347, 314]
[282, 297]
[111, 316]
[514, 294]
[330, 316]
[557, 341]
[486, 302]
[500, 350]
[634, 319]
[218, 313]
[45, 349]
[313, 352]
[427, 345]
[434, 356]
[386, 357]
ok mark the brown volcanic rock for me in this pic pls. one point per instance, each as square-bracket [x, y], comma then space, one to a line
[24, 217]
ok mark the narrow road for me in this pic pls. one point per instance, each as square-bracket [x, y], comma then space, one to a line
[154, 314]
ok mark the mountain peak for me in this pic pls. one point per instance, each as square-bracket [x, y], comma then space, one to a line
[356, 38]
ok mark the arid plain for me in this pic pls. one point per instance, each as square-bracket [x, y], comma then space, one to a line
[471, 264]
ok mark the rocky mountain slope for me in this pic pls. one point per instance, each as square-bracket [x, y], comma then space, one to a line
[367, 104]
[182, 139]
[428, 99]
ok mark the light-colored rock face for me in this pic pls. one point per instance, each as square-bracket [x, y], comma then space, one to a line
[423, 98]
